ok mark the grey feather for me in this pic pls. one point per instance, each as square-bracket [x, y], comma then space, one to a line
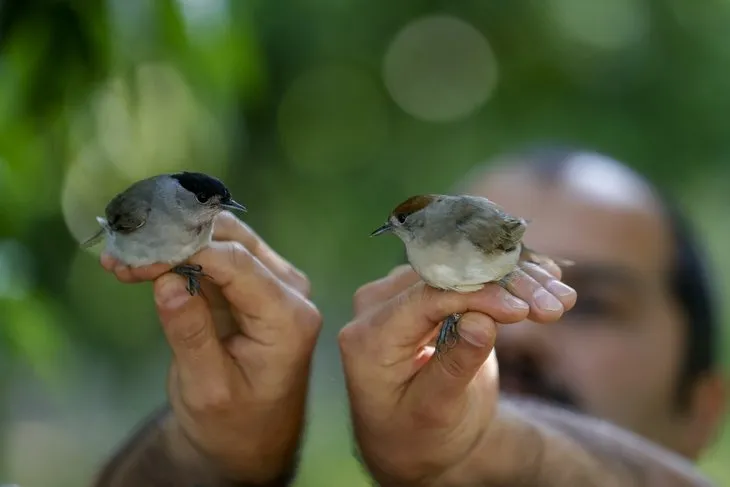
[154, 220]
[125, 214]
[487, 226]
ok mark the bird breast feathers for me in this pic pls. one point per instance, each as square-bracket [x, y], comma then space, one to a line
[461, 267]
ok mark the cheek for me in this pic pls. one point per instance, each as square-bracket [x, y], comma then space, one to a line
[621, 374]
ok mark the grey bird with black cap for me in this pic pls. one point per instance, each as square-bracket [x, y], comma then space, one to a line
[164, 219]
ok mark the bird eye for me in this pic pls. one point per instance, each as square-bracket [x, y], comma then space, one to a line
[401, 217]
[202, 197]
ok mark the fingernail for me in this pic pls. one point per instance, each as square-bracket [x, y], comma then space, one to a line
[559, 288]
[172, 295]
[515, 303]
[547, 301]
[474, 332]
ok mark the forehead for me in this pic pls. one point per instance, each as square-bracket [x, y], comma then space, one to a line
[597, 213]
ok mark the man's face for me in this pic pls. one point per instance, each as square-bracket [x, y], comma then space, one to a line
[617, 355]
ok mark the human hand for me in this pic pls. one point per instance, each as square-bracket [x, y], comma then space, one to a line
[241, 352]
[416, 419]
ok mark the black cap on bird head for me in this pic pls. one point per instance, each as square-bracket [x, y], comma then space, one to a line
[207, 189]
[401, 212]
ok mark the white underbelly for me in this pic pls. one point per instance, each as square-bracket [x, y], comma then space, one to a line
[462, 268]
[137, 252]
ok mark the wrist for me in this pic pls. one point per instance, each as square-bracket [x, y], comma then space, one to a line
[201, 466]
[510, 451]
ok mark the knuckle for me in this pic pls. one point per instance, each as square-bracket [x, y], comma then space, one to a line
[124, 277]
[238, 255]
[192, 338]
[301, 281]
[454, 368]
[521, 281]
[555, 270]
[309, 318]
[539, 272]
[415, 296]
[277, 290]
[347, 337]
[362, 297]
[421, 294]
[442, 302]
[530, 266]
[215, 398]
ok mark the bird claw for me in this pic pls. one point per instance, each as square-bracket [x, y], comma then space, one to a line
[506, 280]
[448, 334]
[193, 273]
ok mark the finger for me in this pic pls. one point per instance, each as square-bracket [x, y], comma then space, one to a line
[377, 292]
[549, 264]
[256, 295]
[550, 267]
[128, 274]
[228, 227]
[564, 293]
[108, 262]
[450, 373]
[409, 319]
[188, 326]
[544, 307]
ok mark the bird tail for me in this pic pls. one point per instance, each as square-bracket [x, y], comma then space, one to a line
[97, 237]
[530, 255]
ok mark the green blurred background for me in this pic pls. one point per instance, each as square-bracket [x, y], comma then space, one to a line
[321, 115]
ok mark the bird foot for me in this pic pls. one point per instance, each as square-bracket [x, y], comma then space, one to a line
[448, 334]
[505, 281]
[193, 273]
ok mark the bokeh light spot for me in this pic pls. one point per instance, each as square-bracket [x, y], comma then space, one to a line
[332, 118]
[208, 13]
[440, 69]
[601, 24]
[135, 131]
[88, 186]
[155, 125]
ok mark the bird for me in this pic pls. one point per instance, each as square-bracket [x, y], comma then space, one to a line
[460, 243]
[164, 219]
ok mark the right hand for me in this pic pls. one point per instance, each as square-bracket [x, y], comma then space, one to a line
[238, 395]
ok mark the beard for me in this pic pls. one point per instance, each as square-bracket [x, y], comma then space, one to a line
[523, 377]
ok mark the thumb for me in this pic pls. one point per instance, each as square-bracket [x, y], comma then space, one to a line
[189, 329]
[449, 374]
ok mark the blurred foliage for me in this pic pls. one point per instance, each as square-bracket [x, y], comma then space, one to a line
[320, 115]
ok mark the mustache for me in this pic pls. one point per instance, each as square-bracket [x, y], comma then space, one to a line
[534, 382]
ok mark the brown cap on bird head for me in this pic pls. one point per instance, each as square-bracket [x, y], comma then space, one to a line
[403, 210]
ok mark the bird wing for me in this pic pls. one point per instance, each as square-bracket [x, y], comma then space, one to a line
[125, 215]
[487, 226]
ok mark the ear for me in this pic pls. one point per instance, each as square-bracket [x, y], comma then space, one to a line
[709, 401]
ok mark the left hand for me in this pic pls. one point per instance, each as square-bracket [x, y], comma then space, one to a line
[416, 419]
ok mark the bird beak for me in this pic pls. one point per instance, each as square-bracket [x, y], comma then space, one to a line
[233, 205]
[387, 227]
